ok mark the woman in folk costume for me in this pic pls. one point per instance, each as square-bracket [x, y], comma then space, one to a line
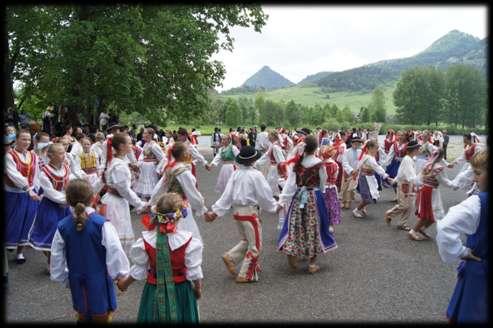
[226, 155]
[53, 180]
[42, 143]
[247, 191]
[87, 256]
[89, 163]
[21, 198]
[350, 161]
[305, 232]
[426, 150]
[178, 178]
[469, 301]
[395, 155]
[390, 140]
[274, 156]
[72, 161]
[331, 195]
[406, 180]
[169, 259]
[120, 193]
[340, 147]
[381, 158]
[148, 162]
[367, 183]
[464, 179]
[429, 203]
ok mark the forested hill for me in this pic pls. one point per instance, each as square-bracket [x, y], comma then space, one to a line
[454, 48]
[267, 79]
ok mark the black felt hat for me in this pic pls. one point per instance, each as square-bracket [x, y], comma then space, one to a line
[413, 144]
[247, 155]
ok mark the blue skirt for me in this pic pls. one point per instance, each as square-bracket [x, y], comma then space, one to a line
[393, 168]
[20, 210]
[364, 190]
[469, 302]
[45, 224]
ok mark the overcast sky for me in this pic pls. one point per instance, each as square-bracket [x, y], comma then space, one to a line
[302, 40]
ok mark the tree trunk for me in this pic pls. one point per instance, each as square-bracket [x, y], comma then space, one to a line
[8, 84]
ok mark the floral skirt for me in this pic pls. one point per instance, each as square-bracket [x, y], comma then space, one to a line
[333, 205]
[305, 232]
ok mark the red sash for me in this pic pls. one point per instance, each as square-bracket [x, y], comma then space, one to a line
[26, 169]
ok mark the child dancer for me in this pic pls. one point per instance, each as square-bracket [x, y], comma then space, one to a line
[349, 164]
[464, 179]
[247, 189]
[226, 155]
[469, 302]
[340, 147]
[89, 163]
[120, 194]
[21, 198]
[148, 161]
[274, 156]
[305, 232]
[170, 259]
[179, 178]
[430, 206]
[406, 180]
[397, 151]
[53, 179]
[367, 183]
[331, 196]
[88, 246]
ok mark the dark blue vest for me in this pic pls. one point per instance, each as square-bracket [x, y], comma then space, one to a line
[92, 289]
[469, 303]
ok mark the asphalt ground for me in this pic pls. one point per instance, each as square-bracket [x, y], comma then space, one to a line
[377, 274]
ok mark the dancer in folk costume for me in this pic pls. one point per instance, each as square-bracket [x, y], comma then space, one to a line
[464, 179]
[246, 191]
[42, 143]
[274, 156]
[119, 192]
[97, 147]
[469, 301]
[367, 183]
[340, 147]
[429, 204]
[381, 158]
[395, 155]
[53, 180]
[21, 198]
[87, 256]
[305, 232]
[427, 148]
[197, 157]
[89, 163]
[390, 139]
[331, 195]
[406, 180]
[170, 260]
[226, 155]
[148, 162]
[72, 161]
[178, 178]
[216, 141]
[350, 173]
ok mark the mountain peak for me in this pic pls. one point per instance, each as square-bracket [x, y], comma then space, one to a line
[268, 79]
[451, 41]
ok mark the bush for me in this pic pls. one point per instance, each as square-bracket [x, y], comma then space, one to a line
[452, 130]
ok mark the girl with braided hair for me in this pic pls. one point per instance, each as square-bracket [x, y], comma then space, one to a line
[170, 260]
[88, 246]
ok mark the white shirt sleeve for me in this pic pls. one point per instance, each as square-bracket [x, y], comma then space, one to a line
[140, 260]
[116, 260]
[389, 157]
[196, 155]
[374, 165]
[75, 168]
[263, 160]
[345, 163]
[322, 172]
[157, 151]
[193, 260]
[58, 261]
[121, 181]
[263, 193]
[289, 189]
[158, 190]
[460, 219]
[444, 180]
[11, 170]
[50, 192]
[217, 158]
[278, 155]
[187, 182]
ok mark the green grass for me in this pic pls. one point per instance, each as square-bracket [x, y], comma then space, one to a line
[311, 96]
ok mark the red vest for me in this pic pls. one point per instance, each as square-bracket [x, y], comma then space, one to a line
[59, 183]
[332, 169]
[26, 169]
[177, 263]
[469, 152]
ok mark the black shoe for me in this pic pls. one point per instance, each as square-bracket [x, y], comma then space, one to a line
[20, 259]
[6, 280]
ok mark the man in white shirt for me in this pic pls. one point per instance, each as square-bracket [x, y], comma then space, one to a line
[262, 142]
[350, 174]
[406, 180]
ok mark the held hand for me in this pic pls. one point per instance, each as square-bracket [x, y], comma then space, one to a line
[33, 195]
[471, 256]
[450, 166]
[279, 208]
[197, 288]
[210, 216]
[121, 284]
[208, 167]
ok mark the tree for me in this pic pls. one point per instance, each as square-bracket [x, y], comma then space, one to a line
[293, 114]
[347, 115]
[232, 113]
[150, 59]
[377, 106]
[364, 114]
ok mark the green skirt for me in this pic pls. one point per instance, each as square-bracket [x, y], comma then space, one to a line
[186, 307]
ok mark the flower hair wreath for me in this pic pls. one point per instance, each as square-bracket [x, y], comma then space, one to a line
[165, 221]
